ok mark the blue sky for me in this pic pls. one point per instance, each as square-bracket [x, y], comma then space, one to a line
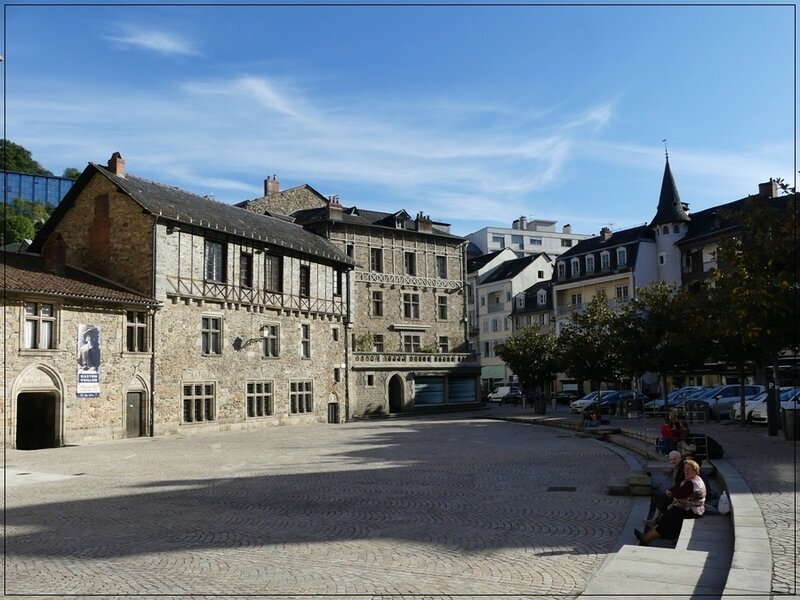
[473, 115]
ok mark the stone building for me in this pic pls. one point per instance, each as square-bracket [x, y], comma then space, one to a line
[76, 363]
[408, 330]
[252, 310]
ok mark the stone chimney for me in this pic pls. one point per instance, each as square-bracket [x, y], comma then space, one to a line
[768, 189]
[54, 253]
[423, 223]
[334, 208]
[271, 185]
[605, 233]
[116, 165]
[567, 228]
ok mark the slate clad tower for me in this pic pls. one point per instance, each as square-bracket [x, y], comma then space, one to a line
[669, 225]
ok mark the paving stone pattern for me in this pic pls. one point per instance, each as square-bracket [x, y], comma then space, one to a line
[445, 506]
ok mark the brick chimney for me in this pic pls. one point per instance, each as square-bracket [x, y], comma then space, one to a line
[605, 233]
[334, 208]
[54, 253]
[423, 223]
[768, 189]
[271, 185]
[116, 165]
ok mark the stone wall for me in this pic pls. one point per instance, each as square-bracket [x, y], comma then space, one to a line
[55, 371]
[288, 201]
[107, 233]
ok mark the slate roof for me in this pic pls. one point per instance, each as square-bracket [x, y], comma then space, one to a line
[473, 264]
[622, 237]
[25, 273]
[368, 218]
[670, 208]
[712, 221]
[532, 300]
[511, 268]
[177, 205]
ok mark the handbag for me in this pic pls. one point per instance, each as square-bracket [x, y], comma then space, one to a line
[724, 504]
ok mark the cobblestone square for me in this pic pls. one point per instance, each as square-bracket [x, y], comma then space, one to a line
[434, 506]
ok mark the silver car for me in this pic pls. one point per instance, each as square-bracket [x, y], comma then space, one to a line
[789, 398]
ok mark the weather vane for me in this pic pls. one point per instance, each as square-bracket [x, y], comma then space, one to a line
[666, 152]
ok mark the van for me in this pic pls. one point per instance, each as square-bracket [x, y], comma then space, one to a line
[501, 392]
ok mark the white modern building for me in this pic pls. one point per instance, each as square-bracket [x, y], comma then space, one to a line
[526, 237]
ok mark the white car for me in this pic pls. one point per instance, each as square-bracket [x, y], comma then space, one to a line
[789, 398]
[579, 405]
[749, 407]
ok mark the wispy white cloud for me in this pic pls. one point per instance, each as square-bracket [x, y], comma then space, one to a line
[162, 42]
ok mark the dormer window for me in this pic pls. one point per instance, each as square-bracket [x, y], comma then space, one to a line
[622, 257]
[398, 223]
[542, 298]
[676, 228]
[605, 260]
[562, 270]
[665, 230]
[575, 267]
[590, 264]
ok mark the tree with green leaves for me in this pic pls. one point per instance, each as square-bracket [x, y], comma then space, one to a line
[533, 355]
[590, 346]
[14, 157]
[753, 291]
[72, 173]
[653, 332]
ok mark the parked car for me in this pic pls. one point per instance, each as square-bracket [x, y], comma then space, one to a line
[699, 394]
[500, 392]
[750, 405]
[566, 396]
[579, 405]
[634, 401]
[515, 397]
[789, 398]
[718, 402]
[674, 397]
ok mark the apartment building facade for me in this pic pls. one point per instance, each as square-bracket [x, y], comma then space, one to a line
[408, 342]
[250, 311]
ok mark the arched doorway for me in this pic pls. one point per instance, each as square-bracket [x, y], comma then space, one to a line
[396, 394]
[36, 420]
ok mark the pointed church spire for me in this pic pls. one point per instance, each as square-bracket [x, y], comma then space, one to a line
[670, 208]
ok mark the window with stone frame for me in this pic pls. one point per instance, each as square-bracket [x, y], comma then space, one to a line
[562, 270]
[271, 342]
[301, 397]
[216, 254]
[605, 260]
[136, 326]
[444, 344]
[211, 335]
[441, 308]
[410, 305]
[441, 267]
[305, 281]
[411, 343]
[337, 283]
[622, 257]
[377, 303]
[246, 270]
[273, 273]
[305, 340]
[334, 334]
[199, 401]
[40, 326]
[376, 260]
[377, 342]
[259, 398]
[410, 263]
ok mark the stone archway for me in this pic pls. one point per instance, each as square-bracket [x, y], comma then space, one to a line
[37, 415]
[396, 394]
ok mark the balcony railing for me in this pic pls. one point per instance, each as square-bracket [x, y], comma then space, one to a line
[415, 359]
[570, 308]
[496, 308]
[199, 289]
[410, 280]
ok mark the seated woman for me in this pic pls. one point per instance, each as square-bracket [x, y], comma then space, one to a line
[665, 443]
[688, 503]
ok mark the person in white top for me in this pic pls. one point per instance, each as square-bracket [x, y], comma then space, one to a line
[688, 502]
